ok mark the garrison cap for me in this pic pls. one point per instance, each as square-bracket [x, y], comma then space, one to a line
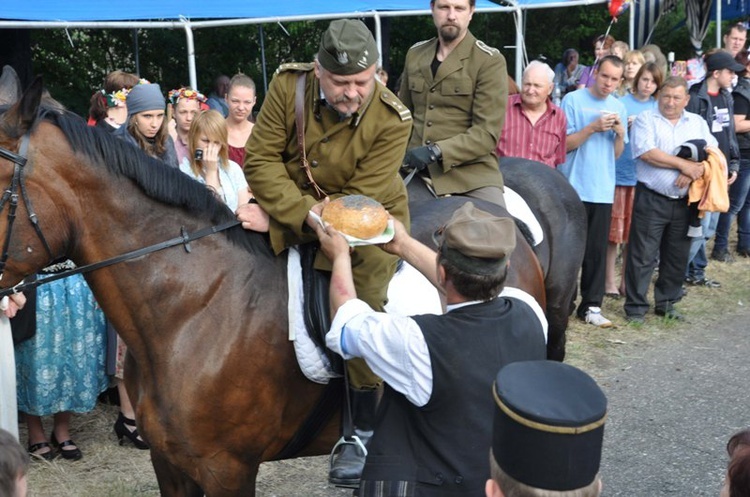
[478, 242]
[549, 425]
[347, 47]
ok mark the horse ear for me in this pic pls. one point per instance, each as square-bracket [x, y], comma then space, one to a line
[22, 115]
[10, 86]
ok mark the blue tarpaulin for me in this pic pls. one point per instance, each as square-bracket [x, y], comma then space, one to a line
[196, 14]
[97, 10]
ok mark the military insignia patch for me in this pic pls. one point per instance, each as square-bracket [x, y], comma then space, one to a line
[342, 57]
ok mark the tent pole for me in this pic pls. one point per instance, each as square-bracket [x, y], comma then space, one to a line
[191, 54]
[631, 27]
[135, 52]
[718, 24]
[379, 38]
[519, 44]
[263, 58]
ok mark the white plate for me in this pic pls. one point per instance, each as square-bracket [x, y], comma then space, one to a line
[385, 237]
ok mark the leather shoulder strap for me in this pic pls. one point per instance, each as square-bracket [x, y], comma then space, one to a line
[299, 117]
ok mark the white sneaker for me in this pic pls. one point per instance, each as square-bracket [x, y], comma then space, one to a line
[594, 316]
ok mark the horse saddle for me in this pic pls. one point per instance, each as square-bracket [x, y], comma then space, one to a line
[316, 303]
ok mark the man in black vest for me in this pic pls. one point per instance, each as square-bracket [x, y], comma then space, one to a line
[434, 424]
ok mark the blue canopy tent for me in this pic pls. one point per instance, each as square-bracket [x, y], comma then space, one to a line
[196, 14]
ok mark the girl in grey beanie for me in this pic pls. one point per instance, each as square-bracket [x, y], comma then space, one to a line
[146, 127]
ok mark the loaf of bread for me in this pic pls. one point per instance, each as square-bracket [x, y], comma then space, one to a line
[356, 215]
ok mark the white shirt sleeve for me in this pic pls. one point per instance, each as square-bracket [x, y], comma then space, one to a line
[393, 346]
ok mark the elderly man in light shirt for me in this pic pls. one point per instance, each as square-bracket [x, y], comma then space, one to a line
[660, 211]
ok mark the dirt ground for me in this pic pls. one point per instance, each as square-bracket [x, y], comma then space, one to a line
[108, 470]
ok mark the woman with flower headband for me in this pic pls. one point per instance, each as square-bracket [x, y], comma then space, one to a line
[209, 161]
[241, 100]
[186, 104]
[108, 109]
[146, 127]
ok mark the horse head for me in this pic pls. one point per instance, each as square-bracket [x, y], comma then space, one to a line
[24, 245]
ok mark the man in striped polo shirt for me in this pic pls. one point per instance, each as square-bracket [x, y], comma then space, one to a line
[535, 128]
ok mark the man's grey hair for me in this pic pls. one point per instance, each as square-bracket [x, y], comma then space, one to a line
[537, 63]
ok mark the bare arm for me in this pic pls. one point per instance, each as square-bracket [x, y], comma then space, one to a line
[414, 252]
[604, 123]
[659, 158]
[336, 248]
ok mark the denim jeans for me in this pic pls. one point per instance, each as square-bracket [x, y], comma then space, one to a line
[739, 206]
[696, 268]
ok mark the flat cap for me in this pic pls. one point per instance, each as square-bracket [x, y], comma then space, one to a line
[347, 47]
[549, 425]
[478, 242]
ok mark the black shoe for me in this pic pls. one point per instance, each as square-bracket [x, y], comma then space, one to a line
[743, 252]
[347, 464]
[47, 456]
[73, 454]
[670, 314]
[635, 319]
[122, 431]
[722, 256]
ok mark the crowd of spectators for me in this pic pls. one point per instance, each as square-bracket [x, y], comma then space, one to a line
[631, 134]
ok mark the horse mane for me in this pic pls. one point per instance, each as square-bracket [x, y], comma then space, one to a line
[160, 182]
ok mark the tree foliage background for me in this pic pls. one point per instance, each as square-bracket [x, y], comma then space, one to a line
[75, 61]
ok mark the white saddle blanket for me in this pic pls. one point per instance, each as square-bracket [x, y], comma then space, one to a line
[518, 208]
[406, 283]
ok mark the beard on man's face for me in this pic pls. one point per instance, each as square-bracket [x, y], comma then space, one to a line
[449, 32]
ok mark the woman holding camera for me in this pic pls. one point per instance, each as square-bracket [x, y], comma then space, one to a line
[210, 163]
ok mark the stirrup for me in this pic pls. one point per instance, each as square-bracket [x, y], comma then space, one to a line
[354, 440]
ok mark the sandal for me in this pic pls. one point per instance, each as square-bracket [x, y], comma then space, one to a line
[47, 456]
[73, 454]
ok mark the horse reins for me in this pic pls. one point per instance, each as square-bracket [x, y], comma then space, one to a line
[17, 182]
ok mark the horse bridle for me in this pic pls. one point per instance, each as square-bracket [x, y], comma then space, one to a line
[10, 195]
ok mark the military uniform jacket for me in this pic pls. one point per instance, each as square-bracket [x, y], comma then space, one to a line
[441, 449]
[462, 109]
[359, 155]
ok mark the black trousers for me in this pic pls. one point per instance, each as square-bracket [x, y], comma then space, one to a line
[593, 270]
[658, 230]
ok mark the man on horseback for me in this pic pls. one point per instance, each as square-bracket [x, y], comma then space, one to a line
[328, 129]
[456, 87]
[434, 424]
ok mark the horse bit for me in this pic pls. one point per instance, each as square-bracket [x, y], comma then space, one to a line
[10, 195]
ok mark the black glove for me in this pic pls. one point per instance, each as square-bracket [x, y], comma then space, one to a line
[420, 157]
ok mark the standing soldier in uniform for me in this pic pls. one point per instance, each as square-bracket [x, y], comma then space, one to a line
[456, 88]
[355, 135]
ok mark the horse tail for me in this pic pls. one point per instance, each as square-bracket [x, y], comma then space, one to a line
[525, 231]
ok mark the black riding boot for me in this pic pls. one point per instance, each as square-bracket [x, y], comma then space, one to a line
[347, 464]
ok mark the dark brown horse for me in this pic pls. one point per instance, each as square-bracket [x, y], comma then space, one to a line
[562, 218]
[213, 376]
